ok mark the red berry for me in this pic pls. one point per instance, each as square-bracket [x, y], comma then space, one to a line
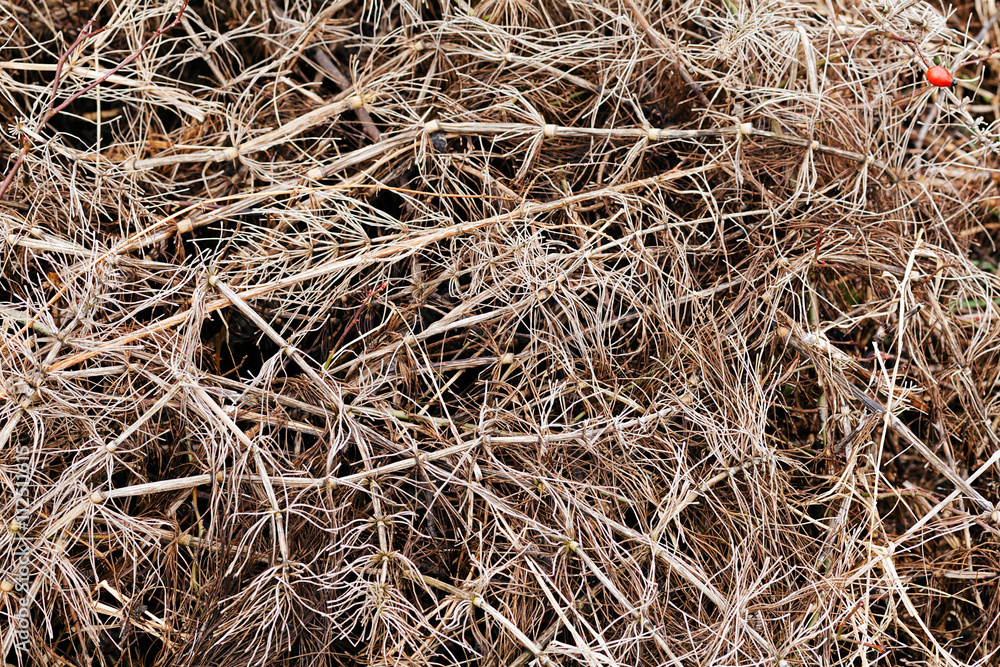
[940, 77]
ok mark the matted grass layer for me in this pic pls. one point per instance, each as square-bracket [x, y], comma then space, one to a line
[446, 332]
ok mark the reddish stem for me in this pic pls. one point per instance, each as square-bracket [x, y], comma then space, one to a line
[908, 41]
[819, 242]
[52, 111]
[84, 34]
[978, 60]
[357, 313]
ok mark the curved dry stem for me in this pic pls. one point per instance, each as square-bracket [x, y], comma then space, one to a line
[498, 332]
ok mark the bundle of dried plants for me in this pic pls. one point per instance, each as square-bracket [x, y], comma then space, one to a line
[461, 332]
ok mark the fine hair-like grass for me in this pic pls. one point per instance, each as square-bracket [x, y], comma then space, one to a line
[445, 332]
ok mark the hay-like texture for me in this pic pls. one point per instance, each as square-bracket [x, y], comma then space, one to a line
[443, 332]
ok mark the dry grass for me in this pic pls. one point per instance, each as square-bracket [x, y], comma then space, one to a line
[451, 332]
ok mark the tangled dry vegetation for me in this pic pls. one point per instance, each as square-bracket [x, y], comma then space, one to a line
[447, 332]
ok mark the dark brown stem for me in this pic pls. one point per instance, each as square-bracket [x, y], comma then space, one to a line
[357, 313]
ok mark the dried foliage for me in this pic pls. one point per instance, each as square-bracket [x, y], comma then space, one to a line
[447, 332]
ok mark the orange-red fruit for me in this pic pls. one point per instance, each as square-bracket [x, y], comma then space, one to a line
[940, 77]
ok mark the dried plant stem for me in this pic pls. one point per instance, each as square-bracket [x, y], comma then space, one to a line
[444, 333]
[806, 345]
[653, 135]
[345, 85]
[643, 622]
[404, 247]
[660, 42]
[265, 141]
[277, 513]
[54, 109]
[478, 601]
